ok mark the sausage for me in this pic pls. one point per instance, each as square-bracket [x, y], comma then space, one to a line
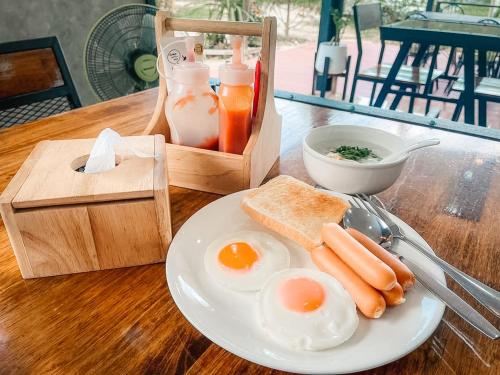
[367, 266]
[403, 274]
[369, 301]
[395, 296]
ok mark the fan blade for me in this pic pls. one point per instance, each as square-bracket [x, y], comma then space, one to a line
[147, 41]
[114, 44]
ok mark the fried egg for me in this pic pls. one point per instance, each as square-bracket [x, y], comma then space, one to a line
[306, 309]
[242, 261]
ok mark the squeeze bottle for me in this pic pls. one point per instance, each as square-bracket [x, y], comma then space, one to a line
[192, 106]
[235, 102]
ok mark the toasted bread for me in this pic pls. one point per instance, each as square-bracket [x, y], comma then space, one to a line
[294, 209]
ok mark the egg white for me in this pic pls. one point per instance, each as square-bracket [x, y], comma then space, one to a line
[331, 324]
[273, 257]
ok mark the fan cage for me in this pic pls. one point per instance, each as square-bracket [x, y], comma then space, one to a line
[115, 41]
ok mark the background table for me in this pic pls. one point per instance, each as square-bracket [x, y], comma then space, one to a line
[125, 321]
[457, 17]
[469, 37]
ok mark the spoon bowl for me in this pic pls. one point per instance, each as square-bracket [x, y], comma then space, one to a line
[368, 224]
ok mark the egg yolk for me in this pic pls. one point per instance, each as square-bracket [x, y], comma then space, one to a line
[238, 256]
[301, 294]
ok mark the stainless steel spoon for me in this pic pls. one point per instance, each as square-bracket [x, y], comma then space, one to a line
[375, 228]
[488, 297]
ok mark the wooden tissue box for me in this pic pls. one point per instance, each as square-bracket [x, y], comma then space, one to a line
[62, 221]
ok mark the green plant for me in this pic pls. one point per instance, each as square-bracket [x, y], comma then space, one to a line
[340, 21]
[231, 10]
[397, 10]
[295, 11]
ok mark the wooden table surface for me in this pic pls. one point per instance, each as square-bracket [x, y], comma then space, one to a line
[125, 321]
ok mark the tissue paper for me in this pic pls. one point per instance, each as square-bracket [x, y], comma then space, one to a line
[103, 155]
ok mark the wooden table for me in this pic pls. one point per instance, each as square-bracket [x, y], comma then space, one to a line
[124, 320]
[458, 18]
[470, 37]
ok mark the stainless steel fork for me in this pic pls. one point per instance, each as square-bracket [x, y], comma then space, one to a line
[450, 299]
[488, 297]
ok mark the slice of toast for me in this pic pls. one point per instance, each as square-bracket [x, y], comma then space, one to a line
[294, 209]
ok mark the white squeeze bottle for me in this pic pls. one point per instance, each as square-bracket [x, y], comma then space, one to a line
[192, 107]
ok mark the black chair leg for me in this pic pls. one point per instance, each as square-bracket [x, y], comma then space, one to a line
[313, 89]
[447, 89]
[372, 95]
[427, 106]
[412, 99]
[353, 88]
[397, 99]
[451, 58]
[458, 108]
[459, 64]
[324, 77]
[483, 108]
[346, 78]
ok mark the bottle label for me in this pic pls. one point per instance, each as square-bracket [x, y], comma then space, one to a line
[173, 50]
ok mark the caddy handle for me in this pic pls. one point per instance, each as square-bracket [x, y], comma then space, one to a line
[220, 27]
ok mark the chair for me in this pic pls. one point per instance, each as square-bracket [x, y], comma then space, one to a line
[451, 8]
[320, 81]
[34, 81]
[415, 49]
[486, 90]
[492, 58]
[369, 16]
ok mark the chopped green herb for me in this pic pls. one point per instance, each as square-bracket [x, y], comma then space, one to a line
[355, 153]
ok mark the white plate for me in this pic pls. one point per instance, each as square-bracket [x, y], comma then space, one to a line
[226, 317]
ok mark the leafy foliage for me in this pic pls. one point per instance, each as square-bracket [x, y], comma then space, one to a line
[231, 10]
[291, 14]
[397, 10]
[340, 21]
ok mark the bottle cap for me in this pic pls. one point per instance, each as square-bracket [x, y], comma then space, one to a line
[236, 73]
[191, 72]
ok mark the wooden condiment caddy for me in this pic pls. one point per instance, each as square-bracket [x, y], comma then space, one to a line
[213, 171]
[62, 221]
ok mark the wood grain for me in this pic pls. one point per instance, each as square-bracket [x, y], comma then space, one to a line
[158, 124]
[7, 211]
[54, 181]
[126, 234]
[204, 170]
[28, 72]
[219, 27]
[125, 320]
[62, 221]
[58, 240]
[263, 147]
[160, 193]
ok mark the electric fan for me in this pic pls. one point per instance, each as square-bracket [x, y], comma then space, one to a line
[120, 53]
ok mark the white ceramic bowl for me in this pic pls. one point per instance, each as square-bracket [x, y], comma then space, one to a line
[347, 176]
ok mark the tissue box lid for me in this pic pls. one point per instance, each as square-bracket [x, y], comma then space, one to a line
[53, 179]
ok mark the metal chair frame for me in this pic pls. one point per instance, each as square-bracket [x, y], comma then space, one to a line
[320, 81]
[377, 21]
[68, 89]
